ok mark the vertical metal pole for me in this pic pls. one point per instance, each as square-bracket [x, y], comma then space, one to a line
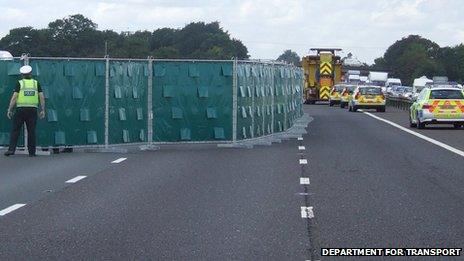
[150, 101]
[234, 101]
[107, 100]
[262, 84]
[253, 94]
[273, 97]
[26, 62]
[286, 100]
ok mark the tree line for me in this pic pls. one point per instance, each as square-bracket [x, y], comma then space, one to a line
[78, 36]
[414, 56]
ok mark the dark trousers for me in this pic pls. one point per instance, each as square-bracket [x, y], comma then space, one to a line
[28, 116]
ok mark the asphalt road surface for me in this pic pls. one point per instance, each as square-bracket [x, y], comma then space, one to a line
[371, 185]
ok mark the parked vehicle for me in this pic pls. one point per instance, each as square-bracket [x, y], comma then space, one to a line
[335, 94]
[438, 105]
[378, 79]
[346, 95]
[367, 97]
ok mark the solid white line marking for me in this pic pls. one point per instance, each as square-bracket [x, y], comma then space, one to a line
[11, 209]
[76, 179]
[300, 138]
[307, 212]
[304, 181]
[303, 161]
[421, 136]
[301, 148]
[119, 160]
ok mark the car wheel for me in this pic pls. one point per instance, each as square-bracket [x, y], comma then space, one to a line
[411, 124]
[420, 125]
[457, 125]
[382, 109]
[330, 104]
[355, 109]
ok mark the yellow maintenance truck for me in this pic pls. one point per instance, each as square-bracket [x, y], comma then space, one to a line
[322, 69]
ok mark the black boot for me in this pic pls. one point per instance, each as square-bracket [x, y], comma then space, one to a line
[9, 153]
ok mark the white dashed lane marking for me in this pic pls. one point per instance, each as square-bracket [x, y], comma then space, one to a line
[11, 209]
[303, 161]
[76, 179]
[119, 160]
[300, 138]
[301, 148]
[307, 212]
[304, 181]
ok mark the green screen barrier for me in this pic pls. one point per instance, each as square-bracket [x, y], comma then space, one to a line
[192, 101]
[9, 75]
[74, 91]
[128, 102]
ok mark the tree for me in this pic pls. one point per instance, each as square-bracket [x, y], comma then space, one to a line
[290, 57]
[78, 36]
[412, 57]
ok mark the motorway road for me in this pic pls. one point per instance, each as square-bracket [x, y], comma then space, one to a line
[371, 185]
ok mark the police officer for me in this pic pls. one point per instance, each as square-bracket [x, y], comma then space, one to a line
[26, 98]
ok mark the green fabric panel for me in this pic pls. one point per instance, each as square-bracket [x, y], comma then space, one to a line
[75, 105]
[59, 138]
[126, 136]
[194, 88]
[9, 75]
[168, 91]
[139, 114]
[69, 69]
[77, 93]
[193, 70]
[100, 69]
[245, 101]
[13, 67]
[4, 138]
[85, 115]
[256, 95]
[122, 114]
[185, 134]
[142, 136]
[211, 113]
[203, 91]
[177, 113]
[219, 133]
[92, 137]
[130, 84]
[227, 70]
[159, 70]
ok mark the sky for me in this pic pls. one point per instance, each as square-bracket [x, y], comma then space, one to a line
[365, 28]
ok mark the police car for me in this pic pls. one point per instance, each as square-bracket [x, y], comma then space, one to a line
[367, 97]
[345, 96]
[335, 94]
[438, 105]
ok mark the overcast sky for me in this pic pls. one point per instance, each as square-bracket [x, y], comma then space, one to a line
[267, 27]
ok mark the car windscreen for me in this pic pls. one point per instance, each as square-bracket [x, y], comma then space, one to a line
[370, 91]
[338, 88]
[407, 89]
[446, 94]
[350, 89]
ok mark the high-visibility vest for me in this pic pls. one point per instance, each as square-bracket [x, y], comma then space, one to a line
[28, 94]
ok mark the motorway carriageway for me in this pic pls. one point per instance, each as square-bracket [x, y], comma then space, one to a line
[352, 181]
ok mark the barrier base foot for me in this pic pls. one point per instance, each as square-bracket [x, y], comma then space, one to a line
[150, 147]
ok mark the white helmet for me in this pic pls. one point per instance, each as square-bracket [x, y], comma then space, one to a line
[26, 69]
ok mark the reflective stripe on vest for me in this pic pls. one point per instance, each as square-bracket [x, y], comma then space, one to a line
[28, 93]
